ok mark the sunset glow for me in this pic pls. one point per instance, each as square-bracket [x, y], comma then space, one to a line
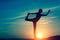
[39, 36]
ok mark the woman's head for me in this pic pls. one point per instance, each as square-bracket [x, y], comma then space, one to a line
[40, 10]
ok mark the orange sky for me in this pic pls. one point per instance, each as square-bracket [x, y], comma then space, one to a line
[43, 28]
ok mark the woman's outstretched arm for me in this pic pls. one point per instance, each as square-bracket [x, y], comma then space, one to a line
[45, 14]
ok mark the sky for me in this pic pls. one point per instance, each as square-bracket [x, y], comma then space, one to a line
[14, 12]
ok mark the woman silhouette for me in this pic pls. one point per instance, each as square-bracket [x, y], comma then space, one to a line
[34, 20]
[38, 16]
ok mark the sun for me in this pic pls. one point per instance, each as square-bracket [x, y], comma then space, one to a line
[39, 36]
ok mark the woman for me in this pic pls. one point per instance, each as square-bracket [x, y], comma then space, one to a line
[38, 16]
[34, 20]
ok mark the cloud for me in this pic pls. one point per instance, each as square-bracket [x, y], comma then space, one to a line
[16, 17]
[44, 10]
[47, 20]
[52, 8]
[53, 17]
